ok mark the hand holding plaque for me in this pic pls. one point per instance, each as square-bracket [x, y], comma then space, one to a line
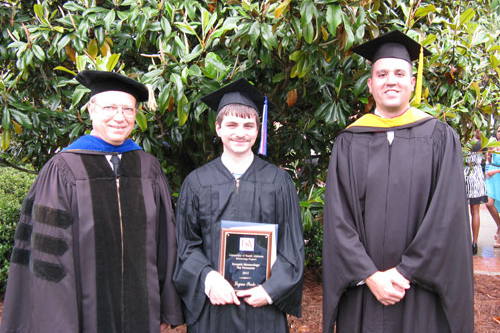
[247, 253]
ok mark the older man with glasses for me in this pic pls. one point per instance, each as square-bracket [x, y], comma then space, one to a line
[95, 246]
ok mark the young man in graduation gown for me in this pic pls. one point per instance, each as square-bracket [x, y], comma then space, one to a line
[95, 246]
[237, 186]
[396, 253]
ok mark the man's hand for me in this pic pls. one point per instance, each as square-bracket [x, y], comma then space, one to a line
[221, 292]
[255, 297]
[388, 287]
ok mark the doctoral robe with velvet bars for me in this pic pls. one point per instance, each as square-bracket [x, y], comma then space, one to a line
[264, 194]
[94, 253]
[403, 205]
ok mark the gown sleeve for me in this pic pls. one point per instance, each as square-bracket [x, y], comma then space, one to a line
[171, 310]
[192, 264]
[440, 256]
[286, 281]
[345, 261]
[37, 289]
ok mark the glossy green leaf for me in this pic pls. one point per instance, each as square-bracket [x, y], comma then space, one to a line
[5, 118]
[214, 65]
[109, 19]
[179, 86]
[268, 37]
[92, 49]
[141, 120]
[349, 34]
[5, 139]
[296, 56]
[22, 118]
[494, 61]
[75, 131]
[479, 38]
[18, 45]
[141, 23]
[113, 60]
[281, 8]
[425, 10]
[39, 10]
[62, 68]
[254, 32]
[205, 19]
[166, 27]
[466, 16]
[333, 18]
[308, 32]
[38, 52]
[307, 11]
[182, 110]
[79, 92]
[163, 98]
[185, 28]
[195, 53]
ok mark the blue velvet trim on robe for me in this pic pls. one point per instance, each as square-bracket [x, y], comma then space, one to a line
[91, 142]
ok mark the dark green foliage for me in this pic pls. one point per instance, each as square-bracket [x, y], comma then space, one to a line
[313, 239]
[297, 52]
[13, 189]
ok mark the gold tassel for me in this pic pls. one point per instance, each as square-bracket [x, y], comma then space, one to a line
[151, 98]
[420, 72]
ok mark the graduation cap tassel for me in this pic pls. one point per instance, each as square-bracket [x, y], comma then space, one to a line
[420, 71]
[263, 132]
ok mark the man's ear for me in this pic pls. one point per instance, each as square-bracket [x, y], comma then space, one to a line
[90, 109]
[217, 128]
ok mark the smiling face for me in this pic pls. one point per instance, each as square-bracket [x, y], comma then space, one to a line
[238, 134]
[391, 85]
[112, 127]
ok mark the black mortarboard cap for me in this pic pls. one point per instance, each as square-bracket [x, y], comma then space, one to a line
[101, 81]
[395, 44]
[237, 92]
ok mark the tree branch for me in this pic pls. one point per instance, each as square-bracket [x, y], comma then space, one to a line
[4, 162]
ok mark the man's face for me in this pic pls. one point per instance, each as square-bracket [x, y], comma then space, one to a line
[237, 134]
[391, 85]
[113, 116]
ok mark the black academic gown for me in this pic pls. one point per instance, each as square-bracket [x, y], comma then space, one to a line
[94, 253]
[265, 194]
[397, 205]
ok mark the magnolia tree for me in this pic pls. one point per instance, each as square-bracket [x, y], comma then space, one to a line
[296, 52]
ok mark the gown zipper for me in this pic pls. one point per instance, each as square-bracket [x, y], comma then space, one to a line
[122, 248]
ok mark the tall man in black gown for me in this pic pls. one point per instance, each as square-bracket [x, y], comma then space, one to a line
[95, 246]
[396, 254]
[237, 186]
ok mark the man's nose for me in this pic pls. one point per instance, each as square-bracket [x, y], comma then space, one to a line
[119, 116]
[391, 78]
[239, 131]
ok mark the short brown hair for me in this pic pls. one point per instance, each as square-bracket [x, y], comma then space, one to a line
[238, 110]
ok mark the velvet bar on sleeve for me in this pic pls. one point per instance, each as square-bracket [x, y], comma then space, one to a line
[94, 253]
[397, 205]
[265, 194]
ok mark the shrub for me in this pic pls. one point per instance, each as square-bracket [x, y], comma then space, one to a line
[312, 203]
[14, 187]
[313, 238]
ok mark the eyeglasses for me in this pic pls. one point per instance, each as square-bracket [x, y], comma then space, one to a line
[112, 110]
